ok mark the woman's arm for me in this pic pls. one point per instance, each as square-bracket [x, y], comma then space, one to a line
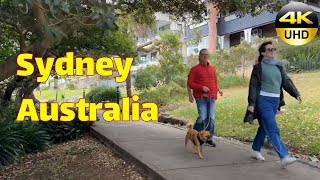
[253, 87]
[289, 86]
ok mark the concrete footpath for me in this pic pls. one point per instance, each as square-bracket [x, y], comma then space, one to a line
[159, 152]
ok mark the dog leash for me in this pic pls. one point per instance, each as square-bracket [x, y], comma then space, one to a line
[209, 112]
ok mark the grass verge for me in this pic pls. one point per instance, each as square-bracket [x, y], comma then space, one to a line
[299, 127]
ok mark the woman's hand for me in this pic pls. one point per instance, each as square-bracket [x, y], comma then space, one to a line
[299, 99]
[251, 108]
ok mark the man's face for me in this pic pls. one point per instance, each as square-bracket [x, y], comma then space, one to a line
[204, 56]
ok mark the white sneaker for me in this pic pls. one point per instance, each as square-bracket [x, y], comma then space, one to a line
[287, 160]
[258, 155]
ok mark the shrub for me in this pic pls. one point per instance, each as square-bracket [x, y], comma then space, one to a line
[164, 95]
[17, 138]
[304, 57]
[70, 86]
[102, 93]
[35, 138]
[10, 143]
[147, 77]
[63, 131]
[232, 81]
[45, 88]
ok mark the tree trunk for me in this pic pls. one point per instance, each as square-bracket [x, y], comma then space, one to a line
[11, 87]
[213, 12]
[128, 84]
[55, 83]
[26, 91]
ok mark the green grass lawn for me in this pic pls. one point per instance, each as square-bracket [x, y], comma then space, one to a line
[51, 94]
[299, 127]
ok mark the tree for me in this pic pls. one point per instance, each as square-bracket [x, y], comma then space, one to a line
[42, 25]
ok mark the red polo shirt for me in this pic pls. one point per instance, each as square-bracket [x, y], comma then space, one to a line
[203, 75]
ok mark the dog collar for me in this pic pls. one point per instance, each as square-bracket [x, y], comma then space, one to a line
[200, 141]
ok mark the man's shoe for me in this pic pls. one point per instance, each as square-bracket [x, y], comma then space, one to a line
[287, 160]
[258, 155]
[211, 143]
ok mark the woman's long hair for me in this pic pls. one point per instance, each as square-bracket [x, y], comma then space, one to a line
[261, 49]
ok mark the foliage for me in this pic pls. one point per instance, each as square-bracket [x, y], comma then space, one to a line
[228, 61]
[10, 143]
[169, 41]
[34, 136]
[70, 86]
[171, 67]
[196, 37]
[64, 131]
[8, 41]
[164, 95]
[171, 61]
[299, 126]
[102, 93]
[147, 77]
[45, 88]
[17, 138]
[305, 57]
[230, 81]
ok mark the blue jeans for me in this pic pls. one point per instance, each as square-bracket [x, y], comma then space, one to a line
[203, 106]
[267, 110]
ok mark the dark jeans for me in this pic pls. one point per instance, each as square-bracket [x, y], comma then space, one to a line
[267, 110]
[203, 105]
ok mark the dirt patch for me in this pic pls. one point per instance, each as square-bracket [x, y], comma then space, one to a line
[85, 158]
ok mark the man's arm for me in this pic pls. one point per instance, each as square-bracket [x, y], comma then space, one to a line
[191, 81]
[189, 91]
[219, 90]
[190, 94]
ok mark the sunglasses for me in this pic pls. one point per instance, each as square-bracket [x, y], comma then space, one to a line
[271, 49]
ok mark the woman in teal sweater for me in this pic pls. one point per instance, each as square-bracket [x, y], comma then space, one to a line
[268, 78]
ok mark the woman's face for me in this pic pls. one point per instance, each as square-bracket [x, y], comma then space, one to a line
[270, 51]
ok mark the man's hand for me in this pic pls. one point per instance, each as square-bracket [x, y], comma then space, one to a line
[191, 99]
[205, 89]
[251, 108]
[299, 99]
[221, 93]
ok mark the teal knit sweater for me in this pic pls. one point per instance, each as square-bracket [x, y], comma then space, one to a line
[271, 76]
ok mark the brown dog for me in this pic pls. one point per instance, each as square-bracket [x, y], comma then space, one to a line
[197, 138]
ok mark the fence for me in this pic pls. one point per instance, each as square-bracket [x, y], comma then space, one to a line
[300, 66]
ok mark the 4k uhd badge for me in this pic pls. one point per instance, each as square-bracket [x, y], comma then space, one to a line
[296, 24]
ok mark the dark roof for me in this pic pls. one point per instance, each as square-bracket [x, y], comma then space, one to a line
[248, 21]
[239, 24]
[204, 31]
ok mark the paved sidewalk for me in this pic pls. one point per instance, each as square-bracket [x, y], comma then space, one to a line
[159, 150]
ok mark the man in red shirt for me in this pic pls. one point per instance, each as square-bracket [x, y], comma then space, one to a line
[202, 79]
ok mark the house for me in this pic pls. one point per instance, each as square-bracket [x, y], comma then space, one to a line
[231, 30]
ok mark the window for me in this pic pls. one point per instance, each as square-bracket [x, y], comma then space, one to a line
[143, 58]
[154, 56]
[256, 33]
[163, 28]
[179, 27]
[242, 36]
